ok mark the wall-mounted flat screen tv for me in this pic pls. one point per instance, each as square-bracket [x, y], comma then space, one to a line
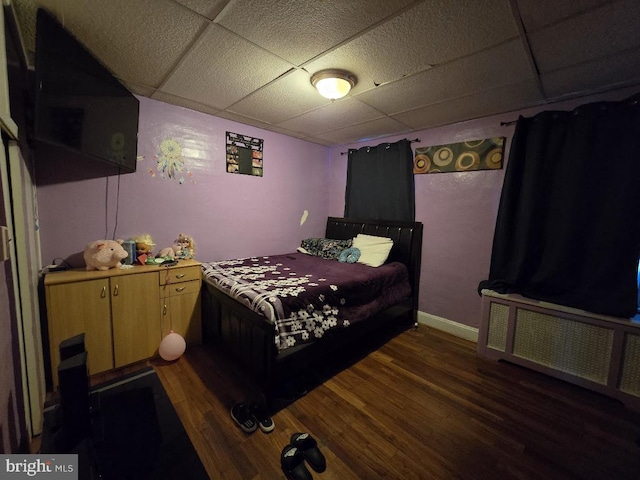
[79, 105]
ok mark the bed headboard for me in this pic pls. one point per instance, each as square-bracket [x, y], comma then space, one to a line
[406, 236]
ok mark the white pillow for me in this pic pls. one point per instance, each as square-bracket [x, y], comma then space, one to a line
[373, 250]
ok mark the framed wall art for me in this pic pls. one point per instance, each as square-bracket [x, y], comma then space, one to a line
[466, 156]
[244, 154]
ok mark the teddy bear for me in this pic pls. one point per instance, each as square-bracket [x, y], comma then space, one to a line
[104, 254]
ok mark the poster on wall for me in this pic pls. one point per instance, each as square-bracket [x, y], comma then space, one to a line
[244, 154]
[466, 156]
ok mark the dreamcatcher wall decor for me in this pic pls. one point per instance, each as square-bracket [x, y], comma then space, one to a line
[170, 163]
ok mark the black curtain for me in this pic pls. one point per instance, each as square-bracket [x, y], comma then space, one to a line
[380, 184]
[568, 225]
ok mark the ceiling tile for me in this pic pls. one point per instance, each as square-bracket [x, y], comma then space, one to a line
[608, 73]
[372, 130]
[421, 63]
[298, 31]
[338, 114]
[26, 15]
[242, 119]
[206, 8]
[536, 14]
[587, 37]
[184, 102]
[500, 65]
[288, 96]
[215, 71]
[134, 45]
[477, 105]
[319, 141]
[273, 128]
[138, 89]
[430, 33]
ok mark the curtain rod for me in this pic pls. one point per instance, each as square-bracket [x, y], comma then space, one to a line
[410, 141]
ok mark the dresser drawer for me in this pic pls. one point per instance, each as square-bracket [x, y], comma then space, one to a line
[181, 288]
[176, 275]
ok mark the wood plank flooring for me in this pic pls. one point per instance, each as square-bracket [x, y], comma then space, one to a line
[422, 406]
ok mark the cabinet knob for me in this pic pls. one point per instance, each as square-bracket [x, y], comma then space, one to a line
[164, 309]
[115, 290]
[104, 292]
[180, 275]
[179, 289]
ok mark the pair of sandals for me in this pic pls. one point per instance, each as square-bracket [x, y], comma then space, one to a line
[303, 447]
[250, 417]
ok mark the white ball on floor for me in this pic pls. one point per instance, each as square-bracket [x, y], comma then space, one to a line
[172, 346]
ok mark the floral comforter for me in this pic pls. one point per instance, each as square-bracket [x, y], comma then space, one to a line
[306, 296]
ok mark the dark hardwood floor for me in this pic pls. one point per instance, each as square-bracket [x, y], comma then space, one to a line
[422, 406]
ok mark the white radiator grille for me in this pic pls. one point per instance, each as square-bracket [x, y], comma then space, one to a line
[630, 378]
[498, 320]
[573, 347]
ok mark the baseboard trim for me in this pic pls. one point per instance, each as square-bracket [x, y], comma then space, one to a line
[448, 326]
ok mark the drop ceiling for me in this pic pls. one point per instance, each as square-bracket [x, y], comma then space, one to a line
[419, 64]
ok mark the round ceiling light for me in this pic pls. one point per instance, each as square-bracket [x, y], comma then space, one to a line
[333, 84]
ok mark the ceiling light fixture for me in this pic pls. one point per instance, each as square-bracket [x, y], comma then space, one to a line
[332, 83]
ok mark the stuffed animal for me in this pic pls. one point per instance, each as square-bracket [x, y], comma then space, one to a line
[184, 247]
[104, 254]
[169, 252]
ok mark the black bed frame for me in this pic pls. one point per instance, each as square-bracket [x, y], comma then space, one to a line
[250, 338]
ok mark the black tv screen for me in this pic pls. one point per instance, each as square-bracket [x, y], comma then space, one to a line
[79, 105]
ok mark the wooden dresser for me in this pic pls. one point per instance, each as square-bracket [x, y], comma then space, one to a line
[124, 313]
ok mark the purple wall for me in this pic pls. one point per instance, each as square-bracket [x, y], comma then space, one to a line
[228, 215]
[238, 215]
[458, 211]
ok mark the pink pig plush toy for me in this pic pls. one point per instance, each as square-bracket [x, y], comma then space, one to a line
[104, 254]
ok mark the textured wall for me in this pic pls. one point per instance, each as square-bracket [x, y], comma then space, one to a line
[237, 215]
[458, 211]
[229, 215]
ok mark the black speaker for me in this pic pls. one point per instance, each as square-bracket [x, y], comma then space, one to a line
[75, 410]
[71, 346]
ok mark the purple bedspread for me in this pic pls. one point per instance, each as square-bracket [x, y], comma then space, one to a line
[305, 296]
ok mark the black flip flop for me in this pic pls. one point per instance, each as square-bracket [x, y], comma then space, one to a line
[309, 447]
[292, 462]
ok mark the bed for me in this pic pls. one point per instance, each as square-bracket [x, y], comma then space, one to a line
[249, 331]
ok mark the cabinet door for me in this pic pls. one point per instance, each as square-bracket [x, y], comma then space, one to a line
[81, 307]
[180, 307]
[135, 313]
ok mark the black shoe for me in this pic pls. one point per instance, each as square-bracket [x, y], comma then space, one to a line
[261, 416]
[243, 417]
[309, 447]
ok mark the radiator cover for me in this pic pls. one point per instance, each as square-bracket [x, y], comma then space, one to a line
[594, 351]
